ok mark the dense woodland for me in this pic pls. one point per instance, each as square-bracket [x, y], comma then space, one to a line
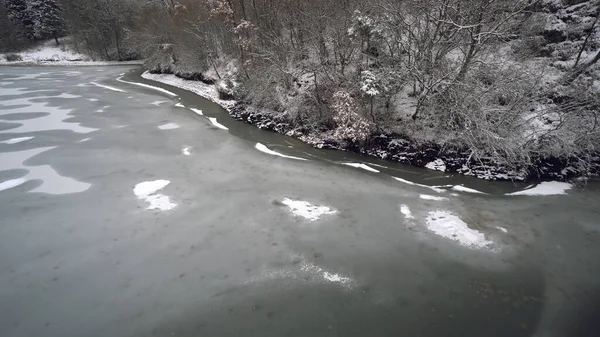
[506, 81]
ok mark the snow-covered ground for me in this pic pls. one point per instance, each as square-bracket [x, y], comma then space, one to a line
[49, 53]
[205, 90]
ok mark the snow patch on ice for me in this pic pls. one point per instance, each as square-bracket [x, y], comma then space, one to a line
[362, 166]
[406, 212]
[307, 210]
[301, 270]
[84, 140]
[107, 87]
[546, 188]
[504, 230]
[447, 225]
[147, 192]
[16, 140]
[461, 188]
[197, 111]
[217, 124]
[433, 188]
[432, 197]
[157, 103]
[437, 165]
[169, 126]
[179, 105]
[186, 151]
[262, 148]
[147, 86]
[8, 184]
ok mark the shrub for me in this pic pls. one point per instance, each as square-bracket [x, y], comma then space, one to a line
[13, 57]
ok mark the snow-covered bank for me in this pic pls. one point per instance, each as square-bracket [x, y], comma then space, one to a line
[49, 54]
[392, 147]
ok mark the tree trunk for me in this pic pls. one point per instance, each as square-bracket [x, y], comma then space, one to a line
[55, 38]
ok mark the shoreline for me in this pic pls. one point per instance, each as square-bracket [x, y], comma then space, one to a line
[391, 147]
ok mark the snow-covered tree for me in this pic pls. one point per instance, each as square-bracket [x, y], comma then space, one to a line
[20, 15]
[47, 18]
[350, 125]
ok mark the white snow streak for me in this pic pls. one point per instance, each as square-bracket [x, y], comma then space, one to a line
[217, 124]
[504, 230]
[6, 185]
[197, 111]
[16, 140]
[186, 151]
[362, 166]
[169, 126]
[107, 87]
[147, 86]
[262, 148]
[466, 189]
[433, 188]
[179, 105]
[432, 197]
[307, 210]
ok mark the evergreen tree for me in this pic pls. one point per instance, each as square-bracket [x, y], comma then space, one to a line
[47, 18]
[20, 15]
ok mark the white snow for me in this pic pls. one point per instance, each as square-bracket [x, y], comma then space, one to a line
[362, 166]
[461, 188]
[546, 188]
[50, 54]
[432, 197]
[335, 277]
[186, 151]
[262, 148]
[147, 86]
[504, 230]
[16, 140]
[302, 271]
[107, 87]
[207, 91]
[147, 192]
[447, 225]
[179, 105]
[84, 140]
[433, 188]
[217, 124]
[93, 99]
[157, 103]
[307, 210]
[8, 184]
[197, 111]
[406, 212]
[437, 165]
[169, 126]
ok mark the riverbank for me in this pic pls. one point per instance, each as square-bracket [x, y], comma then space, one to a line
[392, 147]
